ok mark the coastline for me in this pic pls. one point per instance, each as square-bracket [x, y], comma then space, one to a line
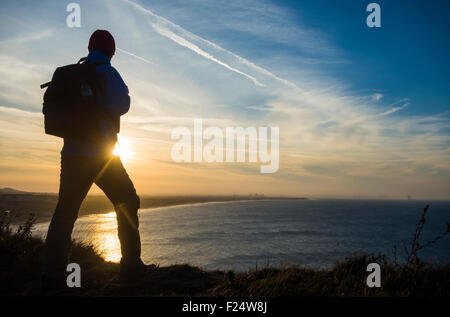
[219, 202]
[22, 252]
[42, 206]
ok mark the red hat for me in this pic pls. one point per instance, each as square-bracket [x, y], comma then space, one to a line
[102, 40]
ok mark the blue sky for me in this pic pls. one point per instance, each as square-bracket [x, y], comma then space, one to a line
[406, 58]
[362, 112]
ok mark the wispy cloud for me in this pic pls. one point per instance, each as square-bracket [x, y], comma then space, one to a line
[378, 115]
[135, 56]
[333, 139]
[377, 96]
[165, 25]
[185, 43]
[162, 27]
[19, 112]
[392, 110]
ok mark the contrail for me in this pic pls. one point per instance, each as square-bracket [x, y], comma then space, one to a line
[379, 115]
[395, 109]
[136, 56]
[190, 35]
[185, 43]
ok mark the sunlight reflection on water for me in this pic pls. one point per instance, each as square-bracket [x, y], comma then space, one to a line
[240, 235]
[101, 231]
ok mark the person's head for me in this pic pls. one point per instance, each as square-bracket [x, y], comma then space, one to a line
[103, 41]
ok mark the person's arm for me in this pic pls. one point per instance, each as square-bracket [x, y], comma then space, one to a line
[116, 98]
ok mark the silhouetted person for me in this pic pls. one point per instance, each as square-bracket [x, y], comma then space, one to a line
[87, 161]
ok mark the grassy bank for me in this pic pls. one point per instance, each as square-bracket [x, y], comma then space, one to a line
[21, 254]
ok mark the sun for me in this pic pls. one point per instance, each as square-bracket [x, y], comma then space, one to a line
[122, 149]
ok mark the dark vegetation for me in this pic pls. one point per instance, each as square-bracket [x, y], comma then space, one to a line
[21, 254]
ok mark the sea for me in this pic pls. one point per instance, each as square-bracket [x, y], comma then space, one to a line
[248, 235]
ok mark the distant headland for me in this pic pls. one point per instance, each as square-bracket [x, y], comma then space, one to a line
[21, 203]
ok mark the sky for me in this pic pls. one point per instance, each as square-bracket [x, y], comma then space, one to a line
[362, 112]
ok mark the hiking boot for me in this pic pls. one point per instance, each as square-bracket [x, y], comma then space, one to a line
[134, 271]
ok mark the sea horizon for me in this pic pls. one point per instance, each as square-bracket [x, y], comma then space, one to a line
[241, 235]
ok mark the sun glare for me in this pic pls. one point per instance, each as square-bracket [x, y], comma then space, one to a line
[122, 149]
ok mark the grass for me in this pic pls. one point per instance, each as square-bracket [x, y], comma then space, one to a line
[21, 256]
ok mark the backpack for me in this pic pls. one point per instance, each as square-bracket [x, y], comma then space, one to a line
[71, 102]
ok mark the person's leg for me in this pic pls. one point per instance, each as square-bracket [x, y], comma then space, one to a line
[77, 176]
[119, 188]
